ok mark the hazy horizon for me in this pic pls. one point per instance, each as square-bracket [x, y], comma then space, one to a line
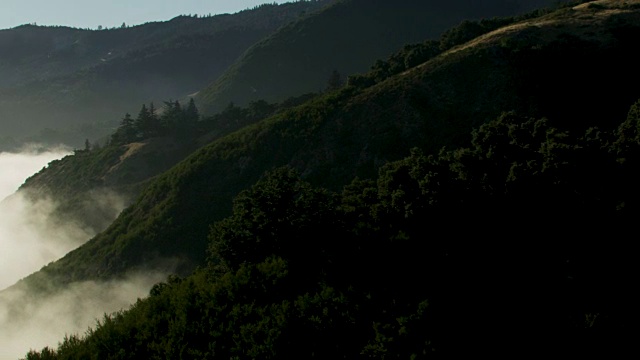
[91, 14]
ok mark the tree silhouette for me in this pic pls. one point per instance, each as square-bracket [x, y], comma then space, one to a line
[335, 81]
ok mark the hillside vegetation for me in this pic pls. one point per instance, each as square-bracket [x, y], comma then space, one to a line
[384, 269]
[344, 133]
[140, 149]
[355, 130]
[467, 195]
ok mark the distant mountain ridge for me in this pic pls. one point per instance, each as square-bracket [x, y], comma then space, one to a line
[82, 81]
[347, 36]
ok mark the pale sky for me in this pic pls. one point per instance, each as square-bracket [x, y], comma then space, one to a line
[112, 13]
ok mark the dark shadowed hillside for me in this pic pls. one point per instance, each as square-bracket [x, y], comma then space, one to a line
[347, 37]
[513, 239]
[353, 131]
[470, 194]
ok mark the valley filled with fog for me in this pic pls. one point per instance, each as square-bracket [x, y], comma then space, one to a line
[29, 240]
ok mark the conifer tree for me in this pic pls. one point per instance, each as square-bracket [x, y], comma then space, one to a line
[154, 121]
[147, 123]
[172, 116]
[335, 81]
[142, 121]
[127, 132]
[191, 112]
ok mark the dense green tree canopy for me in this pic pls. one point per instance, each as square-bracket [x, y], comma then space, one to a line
[443, 253]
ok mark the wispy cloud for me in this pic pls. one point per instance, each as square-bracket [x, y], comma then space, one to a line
[30, 238]
[15, 168]
[30, 322]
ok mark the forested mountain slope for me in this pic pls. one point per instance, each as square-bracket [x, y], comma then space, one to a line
[513, 242]
[355, 130]
[100, 170]
[141, 148]
[355, 234]
[447, 255]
